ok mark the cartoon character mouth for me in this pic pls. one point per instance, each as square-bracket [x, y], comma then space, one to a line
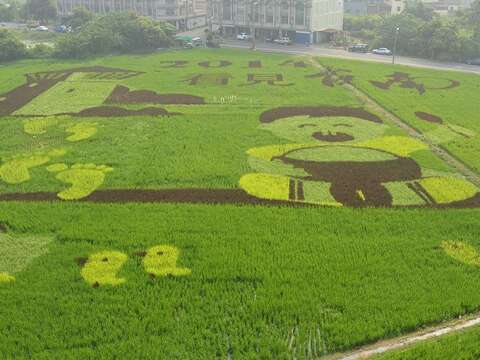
[332, 137]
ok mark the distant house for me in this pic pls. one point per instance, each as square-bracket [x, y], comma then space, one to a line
[301, 20]
[183, 14]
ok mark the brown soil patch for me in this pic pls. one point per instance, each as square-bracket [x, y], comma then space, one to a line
[375, 194]
[380, 85]
[297, 64]
[255, 64]
[123, 95]
[114, 111]
[317, 111]
[173, 64]
[333, 137]
[37, 83]
[81, 261]
[351, 180]
[429, 117]
[3, 228]
[209, 79]
[214, 64]
[405, 81]
[270, 79]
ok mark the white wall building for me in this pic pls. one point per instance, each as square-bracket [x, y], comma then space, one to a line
[184, 14]
[302, 20]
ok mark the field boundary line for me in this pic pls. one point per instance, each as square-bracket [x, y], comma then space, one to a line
[383, 346]
[438, 150]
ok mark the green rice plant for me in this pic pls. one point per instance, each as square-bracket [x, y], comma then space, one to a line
[68, 97]
[18, 252]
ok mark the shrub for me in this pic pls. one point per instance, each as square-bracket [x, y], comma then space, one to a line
[116, 32]
[10, 47]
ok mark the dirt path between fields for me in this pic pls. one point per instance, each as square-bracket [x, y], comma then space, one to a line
[383, 346]
[371, 104]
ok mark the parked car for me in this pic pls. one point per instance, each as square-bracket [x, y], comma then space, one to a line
[61, 29]
[360, 48]
[283, 41]
[382, 51]
[41, 28]
[243, 36]
[473, 62]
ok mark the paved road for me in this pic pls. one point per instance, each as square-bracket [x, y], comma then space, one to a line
[320, 51]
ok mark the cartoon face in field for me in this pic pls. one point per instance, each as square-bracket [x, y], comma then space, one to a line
[334, 125]
[342, 156]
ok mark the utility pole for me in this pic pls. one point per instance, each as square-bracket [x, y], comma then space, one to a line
[251, 19]
[397, 30]
[186, 15]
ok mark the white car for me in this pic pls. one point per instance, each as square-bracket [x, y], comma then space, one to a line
[243, 36]
[382, 51]
[283, 41]
[41, 28]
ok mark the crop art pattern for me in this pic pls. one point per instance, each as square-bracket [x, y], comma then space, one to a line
[104, 267]
[325, 155]
[341, 156]
[84, 92]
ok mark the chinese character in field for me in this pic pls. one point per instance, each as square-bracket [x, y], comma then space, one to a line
[331, 76]
[420, 83]
[295, 63]
[208, 79]
[270, 79]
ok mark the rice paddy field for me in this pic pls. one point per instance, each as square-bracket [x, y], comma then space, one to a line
[221, 204]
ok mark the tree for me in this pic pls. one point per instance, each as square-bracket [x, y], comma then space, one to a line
[80, 16]
[446, 44]
[10, 47]
[41, 10]
[115, 32]
[409, 26]
[9, 11]
[419, 10]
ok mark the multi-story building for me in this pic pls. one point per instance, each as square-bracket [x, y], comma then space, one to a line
[447, 7]
[183, 14]
[303, 21]
[374, 7]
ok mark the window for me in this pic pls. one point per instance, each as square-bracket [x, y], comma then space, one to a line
[227, 10]
[284, 13]
[299, 13]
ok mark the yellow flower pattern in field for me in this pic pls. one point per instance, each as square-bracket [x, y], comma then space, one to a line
[102, 268]
[398, 145]
[16, 170]
[162, 260]
[445, 189]
[266, 186]
[462, 252]
[84, 179]
[6, 277]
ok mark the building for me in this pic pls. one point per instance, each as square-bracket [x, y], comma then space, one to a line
[447, 7]
[374, 7]
[183, 14]
[304, 21]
